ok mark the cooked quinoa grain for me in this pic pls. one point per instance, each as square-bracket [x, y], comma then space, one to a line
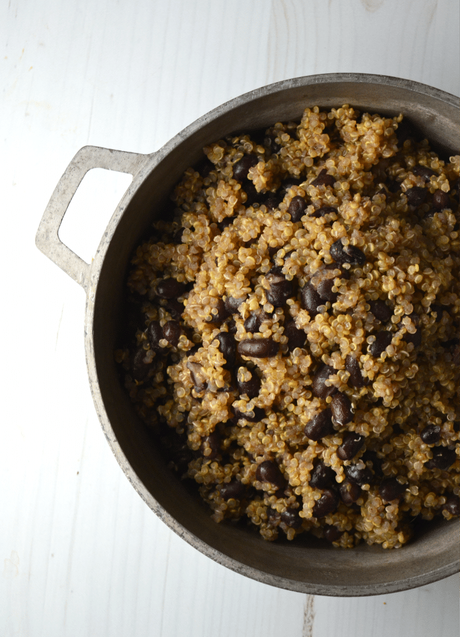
[292, 331]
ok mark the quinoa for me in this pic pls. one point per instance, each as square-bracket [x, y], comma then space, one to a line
[292, 330]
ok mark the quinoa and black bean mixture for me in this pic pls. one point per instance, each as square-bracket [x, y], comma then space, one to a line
[293, 329]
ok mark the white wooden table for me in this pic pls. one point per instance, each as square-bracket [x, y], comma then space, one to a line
[82, 555]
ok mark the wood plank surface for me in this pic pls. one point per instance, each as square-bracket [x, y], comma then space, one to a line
[82, 555]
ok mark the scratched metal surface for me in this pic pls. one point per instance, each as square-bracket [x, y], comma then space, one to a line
[81, 553]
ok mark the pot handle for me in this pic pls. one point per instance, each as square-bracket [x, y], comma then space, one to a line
[47, 239]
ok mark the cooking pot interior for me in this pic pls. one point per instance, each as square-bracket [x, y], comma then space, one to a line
[306, 565]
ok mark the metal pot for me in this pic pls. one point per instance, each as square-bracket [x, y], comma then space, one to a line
[311, 567]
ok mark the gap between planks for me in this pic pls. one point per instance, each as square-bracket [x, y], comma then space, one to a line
[308, 616]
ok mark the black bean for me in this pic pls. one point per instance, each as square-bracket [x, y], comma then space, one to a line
[416, 196]
[295, 336]
[193, 349]
[324, 289]
[258, 347]
[231, 325]
[310, 299]
[356, 378]
[324, 179]
[280, 290]
[390, 489]
[320, 425]
[415, 338]
[155, 334]
[292, 518]
[271, 201]
[234, 489]
[172, 331]
[290, 181]
[324, 210]
[268, 471]
[277, 270]
[258, 415]
[232, 304]
[288, 254]
[319, 387]
[241, 167]
[175, 308]
[210, 447]
[198, 377]
[273, 515]
[322, 476]
[347, 254]
[415, 319]
[252, 196]
[431, 434]
[344, 273]
[452, 505]
[424, 172]
[270, 144]
[349, 492]
[331, 533]
[139, 368]
[380, 310]
[249, 387]
[170, 289]
[441, 200]
[297, 208]
[443, 458]
[253, 322]
[342, 412]
[382, 340]
[219, 312]
[227, 346]
[326, 504]
[351, 444]
[205, 167]
[357, 475]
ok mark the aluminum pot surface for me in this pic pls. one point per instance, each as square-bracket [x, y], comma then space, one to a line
[308, 566]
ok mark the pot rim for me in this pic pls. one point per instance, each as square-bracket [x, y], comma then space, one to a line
[151, 162]
[154, 158]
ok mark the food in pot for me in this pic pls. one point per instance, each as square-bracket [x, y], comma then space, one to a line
[292, 332]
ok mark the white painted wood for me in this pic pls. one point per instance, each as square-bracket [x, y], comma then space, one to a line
[428, 610]
[81, 553]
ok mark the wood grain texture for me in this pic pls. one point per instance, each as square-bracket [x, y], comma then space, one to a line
[81, 553]
[308, 616]
[416, 39]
